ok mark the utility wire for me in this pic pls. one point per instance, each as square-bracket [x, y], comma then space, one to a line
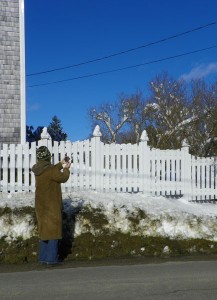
[125, 68]
[124, 51]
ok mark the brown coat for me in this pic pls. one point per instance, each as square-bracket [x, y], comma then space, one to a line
[48, 199]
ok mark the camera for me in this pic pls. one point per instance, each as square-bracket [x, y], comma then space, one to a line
[66, 158]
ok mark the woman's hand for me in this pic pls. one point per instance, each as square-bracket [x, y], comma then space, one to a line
[66, 165]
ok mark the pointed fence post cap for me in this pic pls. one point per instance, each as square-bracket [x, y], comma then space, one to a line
[97, 131]
[185, 143]
[45, 135]
[144, 136]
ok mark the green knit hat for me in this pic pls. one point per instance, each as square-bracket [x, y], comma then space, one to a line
[42, 153]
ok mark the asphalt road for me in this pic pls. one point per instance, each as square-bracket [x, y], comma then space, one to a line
[168, 280]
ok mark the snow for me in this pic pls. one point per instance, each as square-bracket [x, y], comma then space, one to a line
[173, 218]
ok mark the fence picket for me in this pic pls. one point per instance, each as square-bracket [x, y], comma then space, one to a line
[20, 156]
[87, 164]
[32, 162]
[55, 153]
[112, 169]
[5, 168]
[124, 168]
[74, 168]
[118, 168]
[81, 165]
[26, 166]
[212, 178]
[106, 168]
[12, 167]
[135, 168]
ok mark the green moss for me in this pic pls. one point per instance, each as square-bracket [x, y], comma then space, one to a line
[18, 212]
[19, 250]
[96, 219]
[136, 217]
[155, 223]
[87, 246]
[5, 210]
[169, 218]
[27, 210]
[115, 245]
[141, 214]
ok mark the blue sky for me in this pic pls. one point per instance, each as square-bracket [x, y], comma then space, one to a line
[68, 32]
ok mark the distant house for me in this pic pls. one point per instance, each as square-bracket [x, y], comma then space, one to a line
[12, 72]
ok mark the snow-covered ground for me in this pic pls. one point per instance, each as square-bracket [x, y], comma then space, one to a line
[174, 218]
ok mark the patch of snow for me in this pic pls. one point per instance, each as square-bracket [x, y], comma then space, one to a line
[174, 218]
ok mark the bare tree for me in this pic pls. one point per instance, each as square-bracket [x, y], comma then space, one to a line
[113, 117]
[204, 128]
[176, 115]
[168, 112]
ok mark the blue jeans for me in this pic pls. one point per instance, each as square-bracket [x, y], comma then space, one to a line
[48, 252]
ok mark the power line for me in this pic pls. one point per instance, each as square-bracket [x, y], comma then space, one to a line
[125, 68]
[124, 51]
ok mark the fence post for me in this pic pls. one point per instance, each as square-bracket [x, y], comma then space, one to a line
[144, 159]
[186, 174]
[96, 160]
[45, 137]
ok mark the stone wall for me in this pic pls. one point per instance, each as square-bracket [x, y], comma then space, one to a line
[10, 83]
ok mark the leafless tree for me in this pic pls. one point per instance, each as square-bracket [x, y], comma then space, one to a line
[204, 128]
[168, 112]
[116, 119]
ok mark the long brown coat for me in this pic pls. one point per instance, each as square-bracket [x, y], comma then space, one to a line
[48, 199]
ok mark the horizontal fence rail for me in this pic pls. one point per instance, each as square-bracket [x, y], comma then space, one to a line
[114, 168]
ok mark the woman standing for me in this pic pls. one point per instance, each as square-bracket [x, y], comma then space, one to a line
[48, 203]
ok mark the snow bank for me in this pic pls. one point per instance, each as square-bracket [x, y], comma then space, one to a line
[173, 218]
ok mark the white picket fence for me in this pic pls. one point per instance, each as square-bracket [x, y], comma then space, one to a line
[114, 168]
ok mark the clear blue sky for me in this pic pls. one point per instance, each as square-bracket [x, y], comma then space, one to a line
[68, 32]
